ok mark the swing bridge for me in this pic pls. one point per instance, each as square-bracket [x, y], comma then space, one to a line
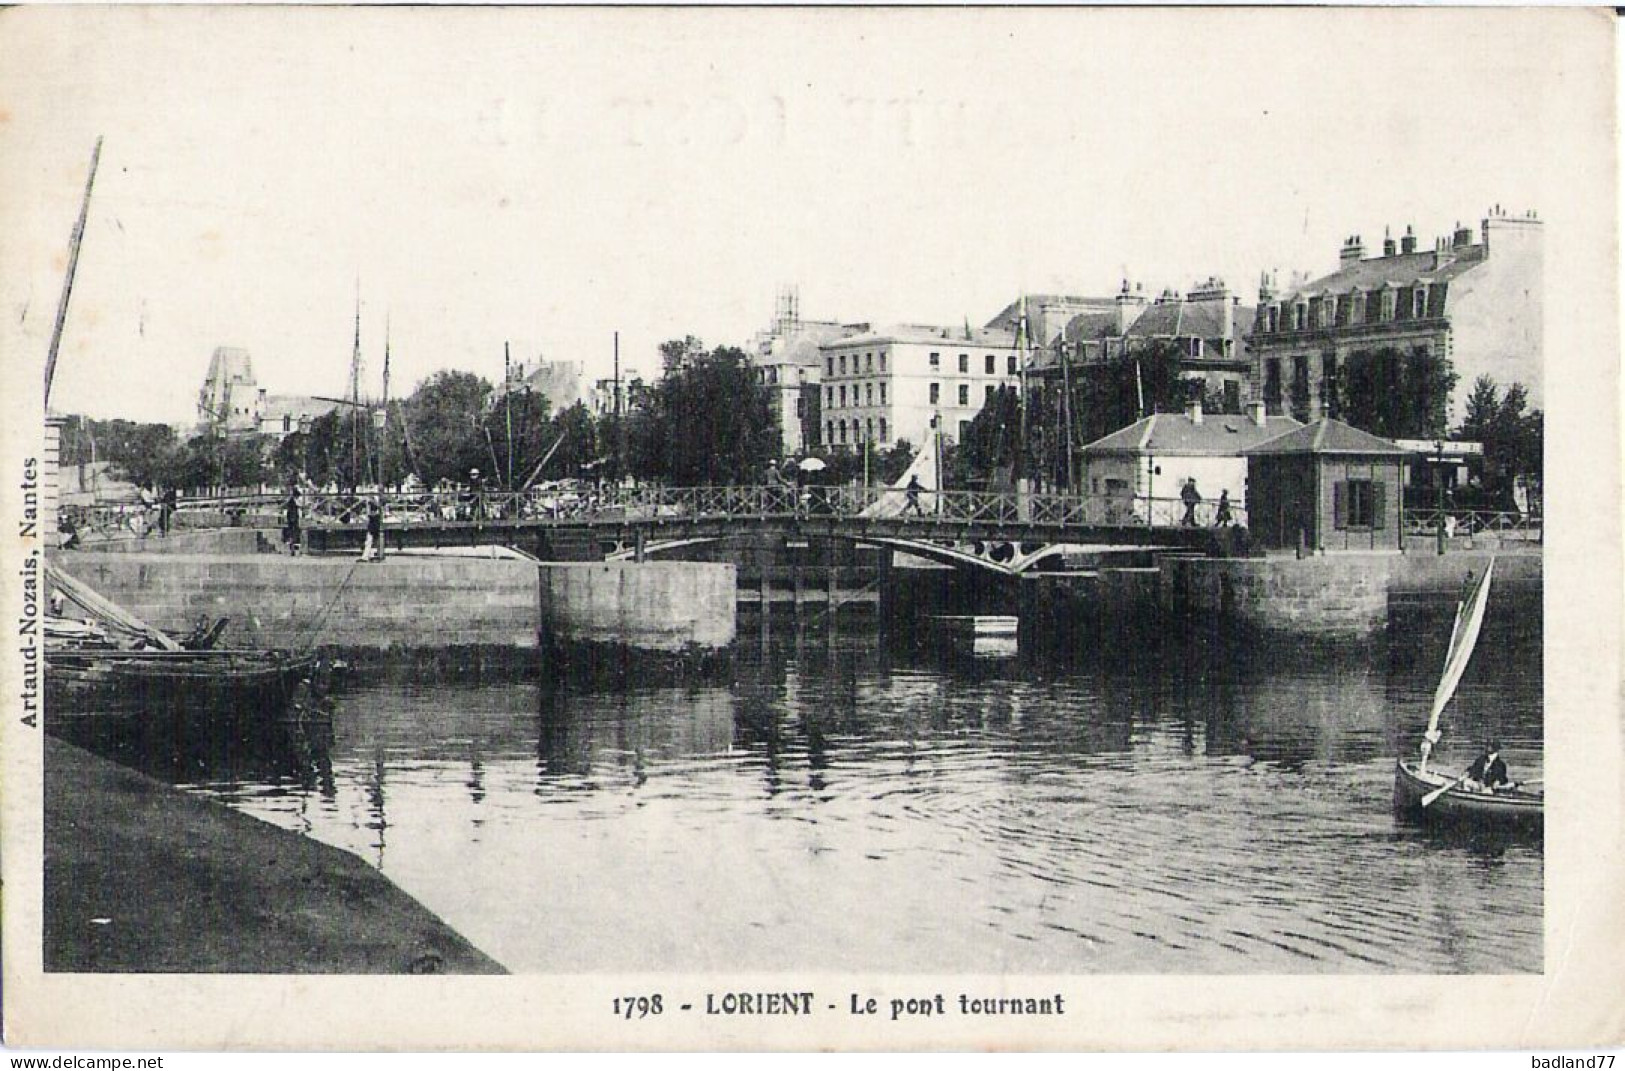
[1000, 531]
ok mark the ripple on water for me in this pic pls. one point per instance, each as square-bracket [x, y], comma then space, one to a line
[835, 808]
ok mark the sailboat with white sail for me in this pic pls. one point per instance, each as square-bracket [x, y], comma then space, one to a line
[1426, 793]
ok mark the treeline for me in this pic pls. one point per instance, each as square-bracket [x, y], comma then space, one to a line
[706, 421]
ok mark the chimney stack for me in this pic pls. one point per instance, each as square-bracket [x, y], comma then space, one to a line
[1194, 409]
[1388, 247]
[1129, 305]
[1441, 253]
[1255, 412]
[1352, 253]
[1462, 238]
[1407, 244]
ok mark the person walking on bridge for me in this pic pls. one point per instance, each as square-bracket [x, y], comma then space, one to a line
[373, 549]
[290, 523]
[1192, 498]
[913, 491]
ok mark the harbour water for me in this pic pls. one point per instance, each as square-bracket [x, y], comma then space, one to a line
[839, 801]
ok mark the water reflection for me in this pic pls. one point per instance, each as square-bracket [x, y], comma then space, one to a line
[841, 802]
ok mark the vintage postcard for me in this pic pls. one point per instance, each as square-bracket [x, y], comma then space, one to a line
[781, 528]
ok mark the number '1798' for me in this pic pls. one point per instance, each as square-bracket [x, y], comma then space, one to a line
[638, 1007]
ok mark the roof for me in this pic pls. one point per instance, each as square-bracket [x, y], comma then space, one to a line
[1328, 436]
[1091, 325]
[947, 337]
[801, 346]
[1008, 316]
[1401, 269]
[294, 405]
[1218, 435]
[1187, 319]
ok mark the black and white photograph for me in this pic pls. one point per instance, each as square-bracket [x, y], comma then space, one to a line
[784, 527]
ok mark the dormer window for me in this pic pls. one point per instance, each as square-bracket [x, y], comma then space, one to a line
[1300, 316]
[1357, 313]
[1328, 311]
[1195, 349]
[1419, 302]
[1389, 301]
[1274, 318]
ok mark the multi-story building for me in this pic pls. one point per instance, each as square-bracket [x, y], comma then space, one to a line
[889, 384]
[1203, 329]
[230, 400]
[789, 363]
[1477, 304]
[630, 391]
[560, 382]
[1049, 314]
[281, 415]
[232, 403]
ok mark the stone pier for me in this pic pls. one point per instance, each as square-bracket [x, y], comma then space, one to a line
[653, 606]
[420, 602]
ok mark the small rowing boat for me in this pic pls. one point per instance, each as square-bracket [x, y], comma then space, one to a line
[1453, 802]
[1425, 794]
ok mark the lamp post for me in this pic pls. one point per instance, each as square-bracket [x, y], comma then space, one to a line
[1438, 483]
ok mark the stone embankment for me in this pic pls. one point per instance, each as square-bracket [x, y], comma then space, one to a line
[141, 877]
[420, 602]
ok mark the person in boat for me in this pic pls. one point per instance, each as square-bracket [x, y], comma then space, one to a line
[70, 533]
[290, 523]
[1192, 498]
[1488, 773]
[1222, 518]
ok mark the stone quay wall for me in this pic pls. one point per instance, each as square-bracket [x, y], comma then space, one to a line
[419, 602]
[276, 601]
[1327, 596]
[653, 606]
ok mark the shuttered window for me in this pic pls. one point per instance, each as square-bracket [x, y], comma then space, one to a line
[1358, 504]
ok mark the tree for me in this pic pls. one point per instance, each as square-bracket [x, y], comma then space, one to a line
[145, 454]
[444, 421]
[517, 431]
[211, 460]
[1513, 440]
[708, 420]
[1397, 394]
[992, 443]
[1482, 407]
[585, 443]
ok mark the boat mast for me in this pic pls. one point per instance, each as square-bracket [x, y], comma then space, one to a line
[355, 395]
[73, 266]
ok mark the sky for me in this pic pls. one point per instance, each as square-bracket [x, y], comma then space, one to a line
[547, 177]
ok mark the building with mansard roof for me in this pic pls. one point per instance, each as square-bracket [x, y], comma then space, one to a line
[1205, 328]
[1476, 303]
[1049, 314]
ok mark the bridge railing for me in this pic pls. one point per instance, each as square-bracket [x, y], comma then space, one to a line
[645, 504]
[1508, 524]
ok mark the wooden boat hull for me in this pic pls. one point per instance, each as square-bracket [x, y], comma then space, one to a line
[238, 683]
[1514, 810]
